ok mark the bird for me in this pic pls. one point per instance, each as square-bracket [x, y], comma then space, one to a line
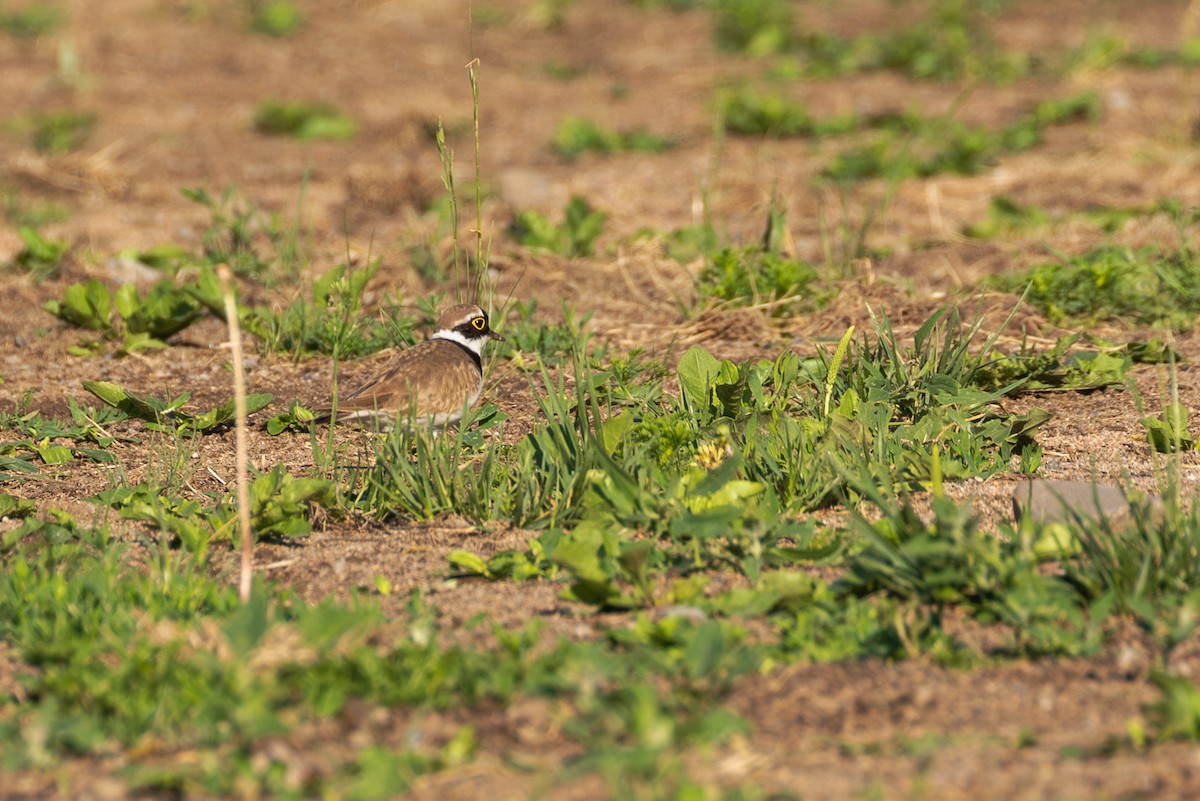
[429, 384]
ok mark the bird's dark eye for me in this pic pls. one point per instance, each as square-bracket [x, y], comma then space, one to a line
[479, 323]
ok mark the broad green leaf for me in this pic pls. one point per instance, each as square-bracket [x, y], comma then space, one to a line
[614, 429]
[85, 306]
[54, 454]
[12, 506]
[245, 628]
[698, 371]
[136, 341]
[468, 562]
[107, 391]
[703, 652]
[580, 553]
[125, 300]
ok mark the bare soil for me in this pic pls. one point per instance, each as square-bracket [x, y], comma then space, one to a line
[175, 86]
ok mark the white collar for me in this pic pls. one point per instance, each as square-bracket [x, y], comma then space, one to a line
[473, 345]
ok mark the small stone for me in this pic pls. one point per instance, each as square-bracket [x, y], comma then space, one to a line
[1119, 100]
[1131, 661]
[1062, 501]
[126, 270]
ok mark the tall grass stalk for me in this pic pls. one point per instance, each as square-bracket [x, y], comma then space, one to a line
[239, 395]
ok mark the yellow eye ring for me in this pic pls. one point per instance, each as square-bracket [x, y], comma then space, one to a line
[478, 323]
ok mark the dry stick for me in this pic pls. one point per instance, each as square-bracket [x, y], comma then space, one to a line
[239, 399]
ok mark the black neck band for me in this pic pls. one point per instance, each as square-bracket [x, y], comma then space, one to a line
[474, 356]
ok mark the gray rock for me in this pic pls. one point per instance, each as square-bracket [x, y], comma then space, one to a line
[127, 270]
[1060, 501]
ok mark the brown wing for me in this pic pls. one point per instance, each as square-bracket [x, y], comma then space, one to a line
[437, 375]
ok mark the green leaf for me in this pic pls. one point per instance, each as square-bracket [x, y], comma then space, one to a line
[1168, 433]
[698, 371]
[136, 341]
[54, 454]
[245, 628]
[126, 301]
[470, 563]
[10, 465]
[703, 653]
[14, 507]
[84, 306]
[103, 457]
[635, 560]
[1023, 428]
[614, 429]
[580, 553]
[148, 409]
[166, 310]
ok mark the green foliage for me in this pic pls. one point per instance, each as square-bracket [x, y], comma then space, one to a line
[763, 274]
[279, 18]
[418, 474]
[123, 316]
[32, 213]
[295, 419]
[279, 503]
[236, 232]
[1060, 369]
[1147, 286]
[549, 343]
[1186, 55]
[42, 440]
[1176, 715]
[169, 416]
[1104, 49]
[331, 320]
[911, 146]
[548, 15]
[951, 42]
[18, 455]
[167, 258]
[1143, 563]
[576, 236]
[125, 650]
[62, 131]
[1005, 216]
[40, 257]
[303, 120]
[638, 493]
[1168, 433]
[715, 473]
[952, 563]
[752, 276]
[31, 20]
[576, 136]
[747, 112]
[13, 507]
[832, 627]
[755, 27]
[279, 507]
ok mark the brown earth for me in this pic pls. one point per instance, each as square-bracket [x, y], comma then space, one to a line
[175, 86]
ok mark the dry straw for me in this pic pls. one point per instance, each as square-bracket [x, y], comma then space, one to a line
[239, 395]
